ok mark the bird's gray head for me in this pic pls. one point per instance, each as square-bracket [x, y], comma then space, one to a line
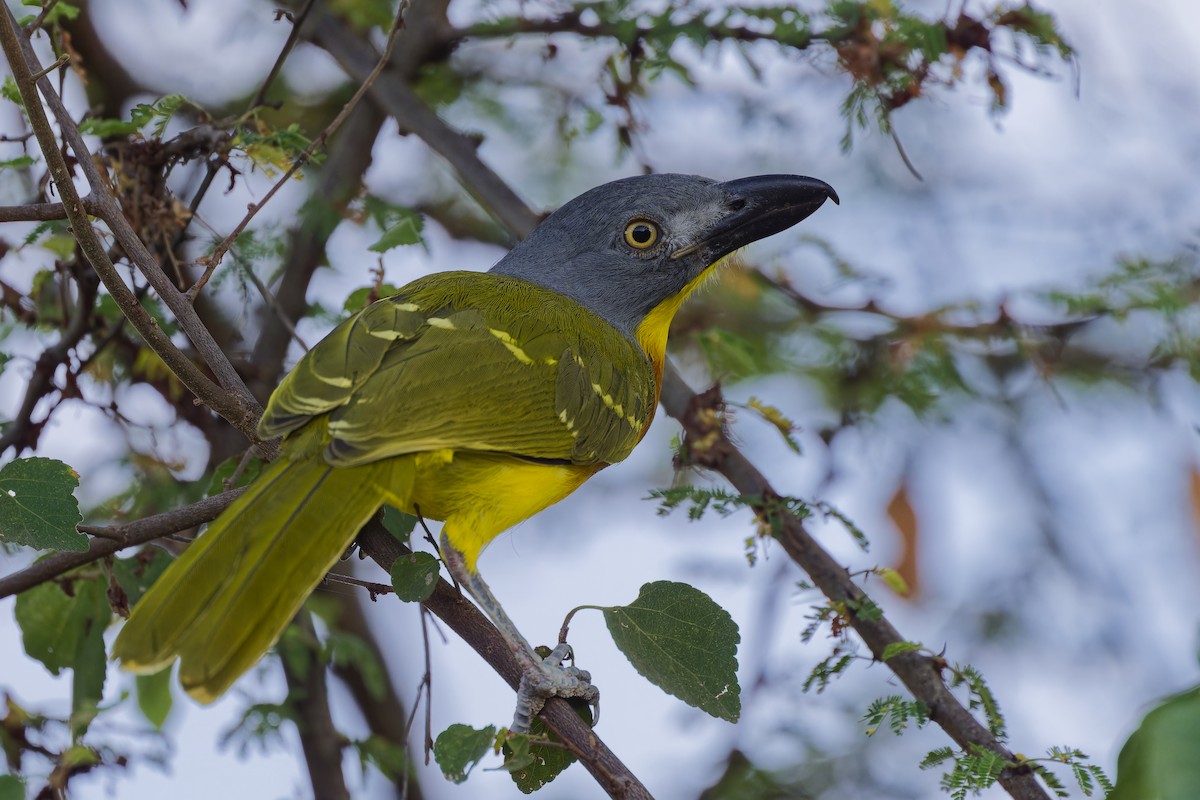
[624, 248]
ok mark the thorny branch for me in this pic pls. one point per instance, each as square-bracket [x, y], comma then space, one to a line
[919, 673]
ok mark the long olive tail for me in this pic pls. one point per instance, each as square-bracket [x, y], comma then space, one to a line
[227, 599]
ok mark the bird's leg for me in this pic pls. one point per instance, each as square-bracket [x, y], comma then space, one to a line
[541, 678]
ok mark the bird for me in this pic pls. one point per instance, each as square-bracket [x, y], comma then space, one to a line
[474, 398]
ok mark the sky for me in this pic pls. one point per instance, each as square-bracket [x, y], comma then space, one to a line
[1048, 194]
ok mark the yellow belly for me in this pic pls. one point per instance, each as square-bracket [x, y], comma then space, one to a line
[481, 495]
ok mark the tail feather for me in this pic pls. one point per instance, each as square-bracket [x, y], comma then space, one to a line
[226, 600]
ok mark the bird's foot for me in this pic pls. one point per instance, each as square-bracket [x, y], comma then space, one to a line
[551, 679]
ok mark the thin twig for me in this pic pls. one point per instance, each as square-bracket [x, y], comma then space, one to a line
[61, 61]
[38, 21]
[213, 260]
[297, 20]
[376, 589]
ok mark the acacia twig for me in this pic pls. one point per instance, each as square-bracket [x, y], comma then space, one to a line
[921, 674]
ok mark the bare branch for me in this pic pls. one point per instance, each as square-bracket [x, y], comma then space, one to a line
[394, 95]
[33, 212]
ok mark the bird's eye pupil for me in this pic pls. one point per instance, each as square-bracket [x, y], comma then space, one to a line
[641, 234]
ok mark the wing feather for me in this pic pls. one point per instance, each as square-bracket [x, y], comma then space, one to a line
[472, 361]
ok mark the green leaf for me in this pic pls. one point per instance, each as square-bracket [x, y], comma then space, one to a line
[364, 14]
[60, 11]
[347, 650]
[388, 757]
[894, 580]
[10, 92]
[459, 748]
[154, 696]
[365, 295]
[11, 788]
[89, 667]
[18, 163]
[684, 643]
[54, 622]
[62, 625]
[1159, 759]
[406, 230]
[138, 573]
[38, 507]
[108, 128]
[398, 523]
[535, 764]
[224, 472]
[415, 576]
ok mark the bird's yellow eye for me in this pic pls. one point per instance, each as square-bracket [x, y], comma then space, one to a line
[641, 234]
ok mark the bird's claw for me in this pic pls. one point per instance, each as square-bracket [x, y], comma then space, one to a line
[552, 679]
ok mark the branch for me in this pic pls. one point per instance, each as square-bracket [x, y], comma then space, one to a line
[33, 212]
[393, 94]
[23, 432]
[309, 698]
[231, 399]
[384, 713]
[921, 674]
[461, 616]
[109, 539]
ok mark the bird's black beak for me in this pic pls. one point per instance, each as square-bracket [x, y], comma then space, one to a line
[759, 207]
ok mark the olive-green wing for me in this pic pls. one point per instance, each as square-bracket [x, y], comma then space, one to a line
[472, 361]
[329, 374]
